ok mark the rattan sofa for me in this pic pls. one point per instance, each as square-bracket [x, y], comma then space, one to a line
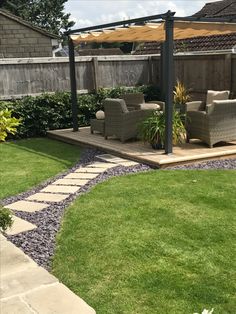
[121, 122]
[216, 124]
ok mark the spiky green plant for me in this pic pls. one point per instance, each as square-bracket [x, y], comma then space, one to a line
[181, 95]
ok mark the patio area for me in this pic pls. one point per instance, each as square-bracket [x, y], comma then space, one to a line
[138, 151]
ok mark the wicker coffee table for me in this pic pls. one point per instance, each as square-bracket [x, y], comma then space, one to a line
[97, 125]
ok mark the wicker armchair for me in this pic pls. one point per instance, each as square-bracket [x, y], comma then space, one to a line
[216, 124]
[210, 97]
[136, 101]
[120, 122]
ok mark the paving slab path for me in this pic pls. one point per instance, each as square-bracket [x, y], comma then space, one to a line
[26, 287]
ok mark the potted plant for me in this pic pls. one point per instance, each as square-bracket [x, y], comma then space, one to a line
[152, 129]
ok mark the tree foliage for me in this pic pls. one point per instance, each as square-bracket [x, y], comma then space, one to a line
[47, 14]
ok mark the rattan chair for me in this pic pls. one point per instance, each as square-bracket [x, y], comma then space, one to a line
[136, 101]
[210, 97]
[216, 124]
[120, 122]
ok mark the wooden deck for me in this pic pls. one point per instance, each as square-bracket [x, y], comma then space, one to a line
[138, 151]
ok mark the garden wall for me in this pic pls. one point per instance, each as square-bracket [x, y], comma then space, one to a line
[33, 76]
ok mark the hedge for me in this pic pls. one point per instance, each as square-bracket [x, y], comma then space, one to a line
[53, 111]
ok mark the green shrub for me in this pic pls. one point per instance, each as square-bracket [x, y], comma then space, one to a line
[6, 220]
[53, 111]
[8, 124]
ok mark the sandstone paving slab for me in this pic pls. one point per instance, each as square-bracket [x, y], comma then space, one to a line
[20, 225]
[89, 170]
[128, 163]
[27, 206]
[80, 175]
[24, 281]
[14, 305]
[61, 189]
[12, 259]
[104, 165]
[48, 197]
[57, 299]
[2, 238]
[77, 182]
[111, 158]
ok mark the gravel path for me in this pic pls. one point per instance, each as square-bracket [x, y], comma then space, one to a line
[39, 244]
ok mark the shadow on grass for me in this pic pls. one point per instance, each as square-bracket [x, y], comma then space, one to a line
[48, 148]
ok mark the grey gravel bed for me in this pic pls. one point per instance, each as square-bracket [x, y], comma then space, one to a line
[40, 243]
[226, 164]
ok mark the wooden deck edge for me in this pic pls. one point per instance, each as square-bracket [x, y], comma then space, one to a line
[159, 165]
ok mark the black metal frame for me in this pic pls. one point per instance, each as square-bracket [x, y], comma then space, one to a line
[167, 63]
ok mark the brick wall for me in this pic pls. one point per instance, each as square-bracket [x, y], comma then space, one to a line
[20, 41]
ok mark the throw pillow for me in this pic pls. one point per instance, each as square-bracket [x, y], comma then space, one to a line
[150, 106]
[216, 95]
[100, 115]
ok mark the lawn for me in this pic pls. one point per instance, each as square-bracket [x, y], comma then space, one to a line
[26, 163]
[157, 242]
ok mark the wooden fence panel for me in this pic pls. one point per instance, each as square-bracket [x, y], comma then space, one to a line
[32, 76]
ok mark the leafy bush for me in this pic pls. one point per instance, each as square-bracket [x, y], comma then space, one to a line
[8, 124]
[6, 220]
[53, 111]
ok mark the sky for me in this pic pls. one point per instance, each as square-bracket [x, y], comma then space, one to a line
[93, 12]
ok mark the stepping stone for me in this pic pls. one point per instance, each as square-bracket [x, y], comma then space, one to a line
[105, 165]
[89, 170]
[48, 197]
[61, 189]
[111, 158]
[20, 225]
[128, 163]
[81, 175]
[27, 206]
[24, 281]
[76, 182]
[56, 299]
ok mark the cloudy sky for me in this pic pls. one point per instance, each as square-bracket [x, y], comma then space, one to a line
[93, 12]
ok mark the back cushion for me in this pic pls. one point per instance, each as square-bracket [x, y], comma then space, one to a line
[216, 95]
[133, 99]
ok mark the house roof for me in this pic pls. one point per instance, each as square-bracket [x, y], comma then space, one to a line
[27, 24]
[201, 43]
[218, 9]
[224, 9]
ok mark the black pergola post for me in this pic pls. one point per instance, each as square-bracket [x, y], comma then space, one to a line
[73, 86]
[169, 80]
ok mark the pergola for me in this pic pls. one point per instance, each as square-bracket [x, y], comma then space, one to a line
[162, 27]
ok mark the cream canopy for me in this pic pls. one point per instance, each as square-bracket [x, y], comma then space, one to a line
[156, 32]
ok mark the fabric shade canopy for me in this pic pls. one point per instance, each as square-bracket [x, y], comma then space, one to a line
[156, 32]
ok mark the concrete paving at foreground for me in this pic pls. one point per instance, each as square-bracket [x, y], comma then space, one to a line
[27, 288]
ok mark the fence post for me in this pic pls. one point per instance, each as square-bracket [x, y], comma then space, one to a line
[228, 72]
[95, 73]
[150, 70]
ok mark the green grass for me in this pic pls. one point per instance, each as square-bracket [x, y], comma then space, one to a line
[158, 242]
[26, 163]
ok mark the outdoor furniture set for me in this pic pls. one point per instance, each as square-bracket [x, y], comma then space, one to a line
[212, 121]
[123, 116]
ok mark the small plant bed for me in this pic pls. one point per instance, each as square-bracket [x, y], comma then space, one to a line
[156, 242]
[26, 163]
